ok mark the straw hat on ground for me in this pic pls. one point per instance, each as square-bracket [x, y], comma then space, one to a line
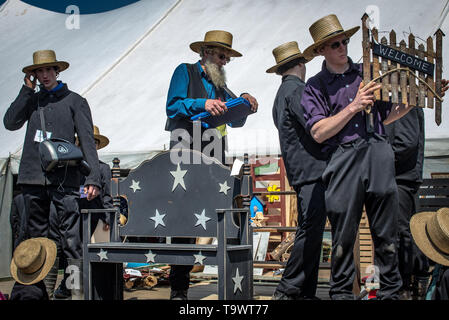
[32, 260]
[45, 58]
[430, 231]
[325, 29]
[104, 141]
[216, 38]
[285, 53]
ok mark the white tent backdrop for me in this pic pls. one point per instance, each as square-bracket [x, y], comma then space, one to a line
[122, 61]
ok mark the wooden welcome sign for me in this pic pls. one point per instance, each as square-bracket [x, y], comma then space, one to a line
[407, 75]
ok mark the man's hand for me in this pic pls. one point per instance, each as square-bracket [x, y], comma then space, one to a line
[28, 82]
[215, 107]
[444, 86]
[365, 97]
[91, 191]
[252, 101]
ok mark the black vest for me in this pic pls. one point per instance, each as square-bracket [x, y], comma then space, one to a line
[195, 90]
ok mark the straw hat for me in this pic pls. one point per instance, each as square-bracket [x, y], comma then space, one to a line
[45, 58]
[285, 53]
[430, 231]
[325, 29]
[32, 260]
[216, 38]
[104, 141]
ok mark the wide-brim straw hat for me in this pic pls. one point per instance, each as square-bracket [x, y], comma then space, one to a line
[104, 141]
[32, 260]
[430, 230]
[325, 29]
[285, 53]
[45, 58]
[216, 38]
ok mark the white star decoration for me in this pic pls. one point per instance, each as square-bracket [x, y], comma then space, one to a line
[224, 187]
[179, 177]
[135, 185]
[158, 219]
[103, 255]
[202, 219]
[237, 281]
[199, 258]
[150, 256]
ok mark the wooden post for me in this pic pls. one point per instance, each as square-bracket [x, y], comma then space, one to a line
[384, 66]
[411, 78]
[429, 79]
[376, 67]
[403, 77]
[394, 75]
[421, 87]
[438, 73]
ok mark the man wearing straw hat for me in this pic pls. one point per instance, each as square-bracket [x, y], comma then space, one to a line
[360, 171]
[66, 114]
[304, 164]
[199, 87]
[430, 230]
[195, 88]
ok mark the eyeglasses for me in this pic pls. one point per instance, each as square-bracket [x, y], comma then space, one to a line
[222, 56]
[336, 44]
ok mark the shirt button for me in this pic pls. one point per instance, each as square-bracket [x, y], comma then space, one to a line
[350, 99]
[356, 125]
[347, 86]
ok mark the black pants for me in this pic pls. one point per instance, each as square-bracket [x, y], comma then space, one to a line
[411, 260]
[37, 204]
[362, 173]
[300, 277]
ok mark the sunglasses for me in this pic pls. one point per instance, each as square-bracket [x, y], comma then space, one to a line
[336, 44]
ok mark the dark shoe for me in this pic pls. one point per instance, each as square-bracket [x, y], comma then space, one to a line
[405, 295]
[278, 295]
[178, 295]
[62, 292]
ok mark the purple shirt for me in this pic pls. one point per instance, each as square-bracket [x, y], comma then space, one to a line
[342, 89]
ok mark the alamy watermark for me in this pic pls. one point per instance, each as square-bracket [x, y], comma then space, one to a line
[73, 20]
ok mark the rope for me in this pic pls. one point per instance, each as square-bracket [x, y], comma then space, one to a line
[408, 72]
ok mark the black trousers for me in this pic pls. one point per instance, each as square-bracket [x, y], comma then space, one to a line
[300, 277]
[37, 204]
[411, 260]
[362, 173]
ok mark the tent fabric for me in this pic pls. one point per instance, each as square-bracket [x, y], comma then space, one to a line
[6, 193]
[122, 60]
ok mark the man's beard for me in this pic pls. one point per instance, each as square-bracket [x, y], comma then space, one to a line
[216, 74]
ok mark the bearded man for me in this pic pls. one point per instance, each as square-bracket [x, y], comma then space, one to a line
[195, 88]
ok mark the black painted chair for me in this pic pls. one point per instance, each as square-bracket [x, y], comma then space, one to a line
[169, 198]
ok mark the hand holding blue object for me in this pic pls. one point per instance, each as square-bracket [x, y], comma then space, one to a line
[237, 109]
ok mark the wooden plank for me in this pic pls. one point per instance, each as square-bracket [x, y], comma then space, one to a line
[366, 45]
[411, 78]
[429, 79]
[384, 67]
[376, 66]
[434, 202]
[435, 182]
[403, 76]
[438, 73]
[434, 191]
[421, 86]
[394, 75]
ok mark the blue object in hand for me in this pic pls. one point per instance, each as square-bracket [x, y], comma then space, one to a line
[237, 108]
